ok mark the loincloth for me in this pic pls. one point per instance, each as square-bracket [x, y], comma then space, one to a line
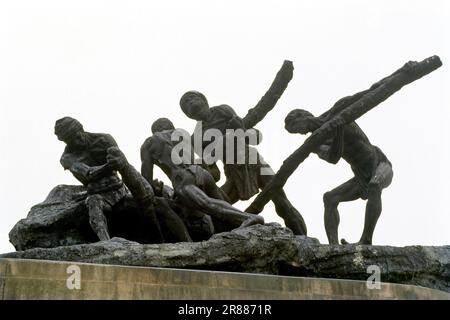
[364, 176]
[113, 197]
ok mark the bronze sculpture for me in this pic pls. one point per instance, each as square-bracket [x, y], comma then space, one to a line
[94, 159]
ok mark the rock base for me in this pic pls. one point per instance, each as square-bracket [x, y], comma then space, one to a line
[266, 249]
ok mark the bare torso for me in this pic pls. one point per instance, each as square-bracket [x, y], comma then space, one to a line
[359, 152]
[93, 155]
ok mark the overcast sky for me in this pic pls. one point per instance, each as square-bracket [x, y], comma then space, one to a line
[119, 65]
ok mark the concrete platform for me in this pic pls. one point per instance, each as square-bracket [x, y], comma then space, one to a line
[34, 279]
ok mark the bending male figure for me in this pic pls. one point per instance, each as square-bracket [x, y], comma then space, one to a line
[194, 187]
[85, 157]
[372, 170]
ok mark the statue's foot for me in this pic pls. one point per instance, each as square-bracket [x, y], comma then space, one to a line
[253, 210]
[360, 242]
[251, 221]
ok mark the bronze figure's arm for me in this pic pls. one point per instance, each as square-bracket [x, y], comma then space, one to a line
[147, 163]
[333, 151]
[79, 170]
[271, 97]
[98, 172]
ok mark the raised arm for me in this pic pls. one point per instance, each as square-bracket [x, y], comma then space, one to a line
[271, 97]
[343, 103]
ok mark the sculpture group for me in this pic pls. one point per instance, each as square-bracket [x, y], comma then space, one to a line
[195, 207]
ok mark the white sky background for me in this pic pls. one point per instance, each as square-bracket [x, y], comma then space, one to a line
[119, 65]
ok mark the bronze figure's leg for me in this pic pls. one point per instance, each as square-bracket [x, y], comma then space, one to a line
[139, 187]
[171, 220]
[229, 189]
[149, 211]
[292, 218]
[96, 207]
[212, 190]
[381, 179]
[348, 191]
[219, 209]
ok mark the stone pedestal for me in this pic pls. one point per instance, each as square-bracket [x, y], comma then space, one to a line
[37, 279]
